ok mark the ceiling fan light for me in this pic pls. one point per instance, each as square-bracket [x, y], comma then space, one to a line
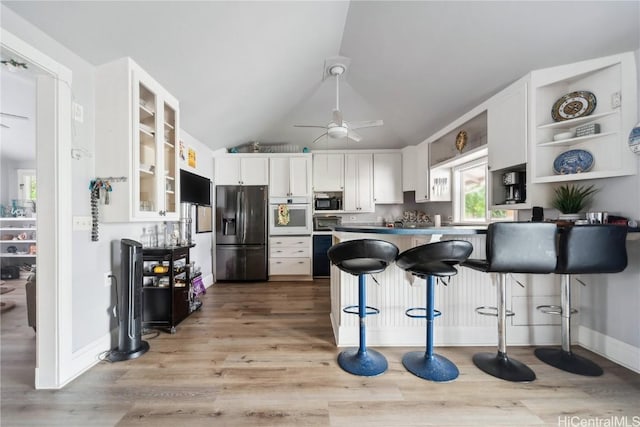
[337, 132]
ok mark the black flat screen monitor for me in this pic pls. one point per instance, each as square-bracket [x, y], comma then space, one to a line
[194, 188]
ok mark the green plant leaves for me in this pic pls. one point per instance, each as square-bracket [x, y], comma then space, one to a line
[573, 198]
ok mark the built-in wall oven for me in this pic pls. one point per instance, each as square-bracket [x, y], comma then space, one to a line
[290, 216]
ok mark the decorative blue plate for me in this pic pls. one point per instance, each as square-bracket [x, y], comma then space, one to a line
[634, 139]
[573, 161]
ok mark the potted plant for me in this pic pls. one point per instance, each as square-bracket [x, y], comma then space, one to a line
[571, 199]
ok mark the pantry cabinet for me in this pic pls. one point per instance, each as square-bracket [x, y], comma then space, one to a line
[137, 142]
[290, 176]
[239, 169]
[422, 172]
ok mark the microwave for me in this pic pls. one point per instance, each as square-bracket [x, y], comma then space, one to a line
[328, 203]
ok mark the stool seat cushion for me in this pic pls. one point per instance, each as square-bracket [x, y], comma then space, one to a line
[362, 256]
[435, 259]
[518, 247]
[592, 249]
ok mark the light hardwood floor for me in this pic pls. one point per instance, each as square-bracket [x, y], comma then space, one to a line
[263, 354]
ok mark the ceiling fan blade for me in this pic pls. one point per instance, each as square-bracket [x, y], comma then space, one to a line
[15, 116]
[337, 117]
[354, 136]
[324, 134]
[365, 124]
[309, 126]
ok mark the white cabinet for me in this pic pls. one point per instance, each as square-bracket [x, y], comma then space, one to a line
[290, 256]
[18, 241]
[137, 138]
[290, 176]
[409, 166]
[239, 169]
[422, 172]
[612, 80]
[328, 172]
[387, 178]
[507, 127]
[358, 191]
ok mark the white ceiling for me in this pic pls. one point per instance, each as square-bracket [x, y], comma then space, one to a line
[249, 71]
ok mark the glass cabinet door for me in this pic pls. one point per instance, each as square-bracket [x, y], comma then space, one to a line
[146, 199]
[171, 143]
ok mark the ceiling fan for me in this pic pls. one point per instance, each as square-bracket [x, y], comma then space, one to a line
[338, 128]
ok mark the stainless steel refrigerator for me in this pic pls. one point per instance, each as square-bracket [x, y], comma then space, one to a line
[241, 232]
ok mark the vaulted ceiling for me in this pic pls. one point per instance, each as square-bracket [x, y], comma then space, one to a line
[249, 71]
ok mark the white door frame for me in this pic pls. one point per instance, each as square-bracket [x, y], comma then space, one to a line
[54, 351]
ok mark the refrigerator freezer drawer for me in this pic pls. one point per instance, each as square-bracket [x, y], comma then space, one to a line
[290, 266]
[241, 262]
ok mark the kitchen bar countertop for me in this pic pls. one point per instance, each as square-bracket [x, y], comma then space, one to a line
[413, 231]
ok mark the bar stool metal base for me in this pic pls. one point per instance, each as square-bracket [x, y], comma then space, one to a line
[367, 364]
[501, 366]
[435, 368]
[568, 361]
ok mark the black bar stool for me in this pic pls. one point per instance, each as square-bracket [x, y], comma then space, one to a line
[585, 249]
[360, 257]
[513, 247]
[428, 262]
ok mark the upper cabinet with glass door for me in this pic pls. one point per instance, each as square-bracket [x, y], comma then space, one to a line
[137, 137]
[581, 116]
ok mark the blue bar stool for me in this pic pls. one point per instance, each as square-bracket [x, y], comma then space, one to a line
[428, 262]
[587, 249]
[512, 247]
[360, 257]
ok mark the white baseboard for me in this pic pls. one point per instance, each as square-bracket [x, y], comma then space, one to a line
[208, 280]
[84, 359]
[615, 350]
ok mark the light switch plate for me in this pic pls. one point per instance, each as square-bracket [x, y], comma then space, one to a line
[78, 112]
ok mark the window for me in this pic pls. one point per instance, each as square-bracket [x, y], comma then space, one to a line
[470, 201]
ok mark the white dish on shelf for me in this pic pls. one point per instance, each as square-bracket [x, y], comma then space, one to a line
[562, 135]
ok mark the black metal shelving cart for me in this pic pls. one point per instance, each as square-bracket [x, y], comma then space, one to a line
[166, 287]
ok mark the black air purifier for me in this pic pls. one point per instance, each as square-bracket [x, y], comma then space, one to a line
[130, 344]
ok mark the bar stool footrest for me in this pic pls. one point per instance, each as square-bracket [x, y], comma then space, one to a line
[501, 366]
[354, 309]
[553, 309]
[568, 361]
[368, 363]
[409, 313]
[491, 311]
[435, 368]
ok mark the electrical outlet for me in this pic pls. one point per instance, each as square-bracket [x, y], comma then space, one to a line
[107, 279]
[616, 100]
[352, 218]
[81, 223]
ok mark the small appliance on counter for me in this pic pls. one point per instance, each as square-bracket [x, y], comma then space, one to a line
[324, 223]
[514, 185]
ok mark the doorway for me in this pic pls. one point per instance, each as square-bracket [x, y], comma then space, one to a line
[53, 170]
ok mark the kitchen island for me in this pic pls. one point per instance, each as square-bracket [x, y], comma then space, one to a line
[459, 323]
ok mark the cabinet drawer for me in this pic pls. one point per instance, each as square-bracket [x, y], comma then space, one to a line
[290, 241]
[289, 252]
[290, 266]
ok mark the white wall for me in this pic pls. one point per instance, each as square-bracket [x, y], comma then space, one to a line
[610, 304]
[202, 253]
